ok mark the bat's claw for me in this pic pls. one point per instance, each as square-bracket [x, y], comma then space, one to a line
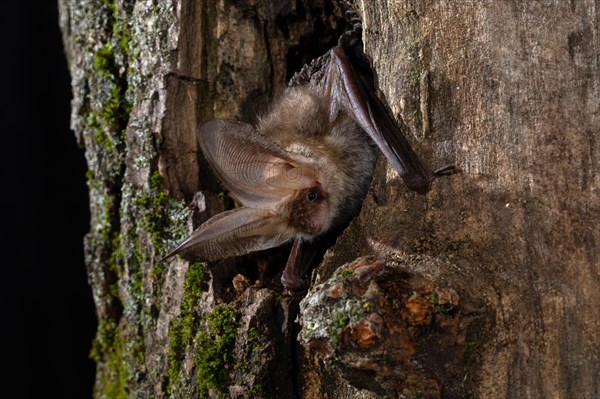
[446, 170]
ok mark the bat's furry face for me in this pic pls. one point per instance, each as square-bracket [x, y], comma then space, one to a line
[309, 213]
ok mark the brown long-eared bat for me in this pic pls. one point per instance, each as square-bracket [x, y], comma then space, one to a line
[304, 170]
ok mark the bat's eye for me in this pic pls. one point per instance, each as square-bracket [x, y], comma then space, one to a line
[311, 196]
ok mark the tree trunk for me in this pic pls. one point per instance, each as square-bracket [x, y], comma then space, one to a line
[488, 286]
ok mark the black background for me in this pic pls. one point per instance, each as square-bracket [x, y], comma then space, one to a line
[47, 315]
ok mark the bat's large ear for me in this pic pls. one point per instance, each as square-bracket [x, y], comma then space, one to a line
[234, 233]
[256, 170]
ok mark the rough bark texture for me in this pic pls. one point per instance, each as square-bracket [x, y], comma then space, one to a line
[488, 286]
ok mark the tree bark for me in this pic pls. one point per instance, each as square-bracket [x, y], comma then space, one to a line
[488, 286]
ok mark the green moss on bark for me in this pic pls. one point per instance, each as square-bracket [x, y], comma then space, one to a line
[163, 217]
[184, 328]
[108, 352]
[214, 353]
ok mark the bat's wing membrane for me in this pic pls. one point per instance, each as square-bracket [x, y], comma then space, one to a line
[257, 171]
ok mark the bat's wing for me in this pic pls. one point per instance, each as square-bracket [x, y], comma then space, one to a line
[233, 233]
[257, 171]
[351, 95]
[334, 77]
